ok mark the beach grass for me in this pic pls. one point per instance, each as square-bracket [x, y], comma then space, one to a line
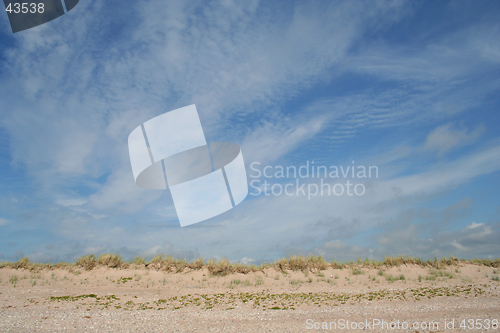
[223, 267]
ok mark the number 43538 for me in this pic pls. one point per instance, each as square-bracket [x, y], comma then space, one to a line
[479, 324]
[25, 8]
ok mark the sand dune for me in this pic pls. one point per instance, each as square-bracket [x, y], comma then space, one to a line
[141, 299]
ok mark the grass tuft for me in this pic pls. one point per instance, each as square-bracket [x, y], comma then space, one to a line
[23, 263]
[314, 264]
[139, 261]
[300, 263]
[88, 262]
[110, 259]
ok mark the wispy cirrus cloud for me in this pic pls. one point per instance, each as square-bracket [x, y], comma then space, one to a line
[286, 81]
[448, 136]
[3, 221]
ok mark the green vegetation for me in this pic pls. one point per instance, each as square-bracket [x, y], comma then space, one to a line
[391, 278]
[123, 280]
[295, 281]
[224, 267]
[435, 274]
[110, 259]
[23, 263]
[139, 261]
[266, 300]
[13, 279]
[236, 282]
[299, 263]
[314, 264]
[88, 262]
[486, 262]
[259, 281]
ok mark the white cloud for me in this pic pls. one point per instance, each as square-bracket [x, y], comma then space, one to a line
[448, 57]
[82, 105]
[334, 245]
[247, 261]
[463, 243]
[120, 194]
[167, 249]
[409, 241]
[263, 63]
[451, 174]
[3, 221]
[448, 136]
[94, 250]
[270, 142]
[41, 257]
[295, 220]
[71, 202]
[69, 103]
[475, 225]
[152, 251]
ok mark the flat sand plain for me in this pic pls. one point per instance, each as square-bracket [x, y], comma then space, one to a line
[465, 297]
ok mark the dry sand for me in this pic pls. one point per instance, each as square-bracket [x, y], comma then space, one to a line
[145, 300]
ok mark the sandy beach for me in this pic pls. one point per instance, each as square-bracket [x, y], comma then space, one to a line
[408, 298]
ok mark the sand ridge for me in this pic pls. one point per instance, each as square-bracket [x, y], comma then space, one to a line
[149, 300]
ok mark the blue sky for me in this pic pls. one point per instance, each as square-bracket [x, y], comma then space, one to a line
[411, 87]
